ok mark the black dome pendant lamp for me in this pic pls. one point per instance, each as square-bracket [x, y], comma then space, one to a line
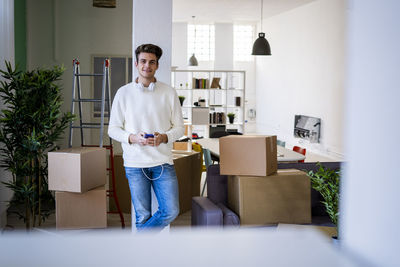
[261, 46]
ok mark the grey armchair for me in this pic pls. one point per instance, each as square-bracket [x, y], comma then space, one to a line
[212, 210]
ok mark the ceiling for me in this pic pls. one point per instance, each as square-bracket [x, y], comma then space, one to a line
[230, 10]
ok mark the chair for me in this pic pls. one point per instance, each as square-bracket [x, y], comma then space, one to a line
[198, 148]
[212, 210]
[280, 143]
[205, 158]
[300, 150]
[207, 162]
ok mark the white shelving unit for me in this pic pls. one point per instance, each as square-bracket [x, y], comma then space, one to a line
[229, 98]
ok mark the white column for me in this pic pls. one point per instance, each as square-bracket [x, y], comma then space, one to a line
[152, 23]
[6, 53]
[370, 187]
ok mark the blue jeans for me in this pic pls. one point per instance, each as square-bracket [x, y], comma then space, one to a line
[165, 186]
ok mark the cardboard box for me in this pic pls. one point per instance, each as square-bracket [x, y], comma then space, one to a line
[77, 169]
[188, 171]
[248, 155]
[81, 211]
[183, 146]
[284, 197]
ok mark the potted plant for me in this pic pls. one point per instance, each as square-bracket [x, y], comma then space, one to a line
[231, 117]
[30, 126]
[326, 182]
[181, 99]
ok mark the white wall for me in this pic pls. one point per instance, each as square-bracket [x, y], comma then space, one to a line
[250, 101]
[179, 45]
[59, 31]
[369, 221]
[6, 53]
[305, 74]
[223, 46]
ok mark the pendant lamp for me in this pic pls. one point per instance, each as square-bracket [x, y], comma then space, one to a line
[261, 46]
[193, 60]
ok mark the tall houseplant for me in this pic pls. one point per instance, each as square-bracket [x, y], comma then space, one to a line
[30, 126]
[326, 182]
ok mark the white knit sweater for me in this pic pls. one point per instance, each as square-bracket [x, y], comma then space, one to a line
[136, 110]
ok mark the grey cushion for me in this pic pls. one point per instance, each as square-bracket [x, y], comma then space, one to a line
[230, 218]
[217, 185]
[205, 213]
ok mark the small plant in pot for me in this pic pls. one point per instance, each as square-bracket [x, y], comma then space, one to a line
[181, 99]
[231, 117]
[326, 182]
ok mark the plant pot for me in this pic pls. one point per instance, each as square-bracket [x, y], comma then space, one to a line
[231, 119]
[181, 99]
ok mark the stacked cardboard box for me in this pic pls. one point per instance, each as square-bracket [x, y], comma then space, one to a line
[78, 175]
[257, 191]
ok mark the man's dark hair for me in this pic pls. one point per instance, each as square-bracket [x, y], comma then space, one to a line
[148, 48]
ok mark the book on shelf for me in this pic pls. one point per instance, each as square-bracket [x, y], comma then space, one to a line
[217, 118]
[200, 83]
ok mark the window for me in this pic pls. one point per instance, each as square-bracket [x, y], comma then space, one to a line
[201, 42]
[120, 74]
[243, 38]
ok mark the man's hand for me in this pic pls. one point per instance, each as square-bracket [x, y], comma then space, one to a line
[157, 139]
[137, 139]
[160, 138]
[151, 141]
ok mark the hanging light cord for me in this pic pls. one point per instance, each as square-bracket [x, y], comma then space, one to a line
[261, 14]
[194, 47]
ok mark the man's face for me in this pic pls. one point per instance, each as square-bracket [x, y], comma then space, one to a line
[147, 65]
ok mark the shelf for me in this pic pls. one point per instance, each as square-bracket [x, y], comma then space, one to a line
[213, 106]
[220, 101]
[211, 71]
[233, 106]
[210, 89]
[235, 123]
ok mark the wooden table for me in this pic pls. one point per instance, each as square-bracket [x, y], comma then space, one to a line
[284, 154]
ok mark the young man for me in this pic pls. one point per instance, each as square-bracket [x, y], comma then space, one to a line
[147, 106]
